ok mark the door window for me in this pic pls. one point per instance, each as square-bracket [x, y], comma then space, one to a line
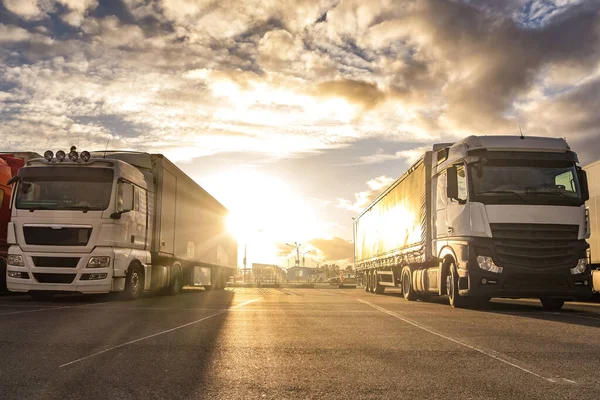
[441, 200]
[462, 183]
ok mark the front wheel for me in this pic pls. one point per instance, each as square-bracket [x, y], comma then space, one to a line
[454, 298]
[552, 304]
[175, 285]
[134, 283]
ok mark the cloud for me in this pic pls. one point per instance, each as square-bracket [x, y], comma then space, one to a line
[336, 249]
[364, 198]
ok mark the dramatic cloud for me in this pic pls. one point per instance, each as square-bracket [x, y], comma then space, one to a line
[334, 250]
[376, 81]
[364, 198]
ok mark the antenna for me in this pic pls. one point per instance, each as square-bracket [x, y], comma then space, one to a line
[106, 148]
[521, 130]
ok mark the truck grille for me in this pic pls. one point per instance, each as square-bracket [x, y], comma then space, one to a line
[56, 262]
[47, 236]
[535, 245]
[54, 278]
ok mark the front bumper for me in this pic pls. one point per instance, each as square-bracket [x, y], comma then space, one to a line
[522, 281]
[57, 278]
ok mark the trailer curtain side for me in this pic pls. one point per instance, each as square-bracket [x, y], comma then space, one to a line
[398, 221]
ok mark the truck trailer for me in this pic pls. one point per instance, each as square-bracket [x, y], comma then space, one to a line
[114, 221]
[9, 165]
[485, 217]
[593, 174]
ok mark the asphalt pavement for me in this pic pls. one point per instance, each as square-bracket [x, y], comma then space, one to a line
[257, 343]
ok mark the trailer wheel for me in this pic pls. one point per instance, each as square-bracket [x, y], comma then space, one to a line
[175, 285]
[134, 282]
[407, 288]
[379, 289]
[552, 304]
[372, 281]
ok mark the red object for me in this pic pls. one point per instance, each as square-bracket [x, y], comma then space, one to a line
[9, 165]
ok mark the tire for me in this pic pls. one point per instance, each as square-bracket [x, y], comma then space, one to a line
[455, 300]
[407, 288]
[175, 285]
[373, 281]
[41, 296]
[3, 287]
[552, 303]
[379, 289]
[134, 282]
[366, 281]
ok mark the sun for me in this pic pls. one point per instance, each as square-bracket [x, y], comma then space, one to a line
[264, 211]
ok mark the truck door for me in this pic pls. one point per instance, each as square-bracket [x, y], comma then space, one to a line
[441, 201]
[457, 212]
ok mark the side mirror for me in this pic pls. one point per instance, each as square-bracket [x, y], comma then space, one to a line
[583, 183]
[12, 180]
[452, 183]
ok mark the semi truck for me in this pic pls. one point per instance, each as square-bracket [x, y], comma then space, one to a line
[9, 165]
[114, 221]
[593, 204]
[485, 217]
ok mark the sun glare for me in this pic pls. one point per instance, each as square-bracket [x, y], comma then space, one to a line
[264, 211]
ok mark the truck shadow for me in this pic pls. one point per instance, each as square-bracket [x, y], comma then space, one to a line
[181, 363]
[571, 314]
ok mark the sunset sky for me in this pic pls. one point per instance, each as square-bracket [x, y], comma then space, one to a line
[295, 113]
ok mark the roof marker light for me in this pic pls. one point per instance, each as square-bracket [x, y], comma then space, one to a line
[60, 155]
[85, 156]
[48, 155]
[73, 155]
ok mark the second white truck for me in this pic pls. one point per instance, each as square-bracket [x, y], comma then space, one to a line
[488, 216]
[114, 222]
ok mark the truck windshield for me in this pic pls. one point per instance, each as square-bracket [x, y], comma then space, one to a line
[64, 188]
[534, 183]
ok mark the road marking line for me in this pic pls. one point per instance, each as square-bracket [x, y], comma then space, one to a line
[159, 333]
[48, 308]
[484, 352]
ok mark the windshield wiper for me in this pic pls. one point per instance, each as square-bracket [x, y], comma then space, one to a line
[505, 192]
[556, 192]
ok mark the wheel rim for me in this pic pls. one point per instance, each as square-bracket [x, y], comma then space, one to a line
[450, 286]
[135, 281]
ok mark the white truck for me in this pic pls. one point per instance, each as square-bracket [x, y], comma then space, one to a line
[488, 216]
[114, 221]
[593, 173]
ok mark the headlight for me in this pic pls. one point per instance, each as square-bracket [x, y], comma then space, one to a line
[487, 264]
[99, 262]
[16, 260]
[580, 268]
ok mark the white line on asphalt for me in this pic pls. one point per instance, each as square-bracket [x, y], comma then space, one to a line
[159, 333]
[46, 308]
[485, 352]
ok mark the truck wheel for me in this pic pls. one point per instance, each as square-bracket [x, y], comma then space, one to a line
[175, 285]
[552, 304]
[379, 288]
[373, 281]
[407, 289]
[365, 281]
[3, 287]
[134, 282]
[454, 298]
